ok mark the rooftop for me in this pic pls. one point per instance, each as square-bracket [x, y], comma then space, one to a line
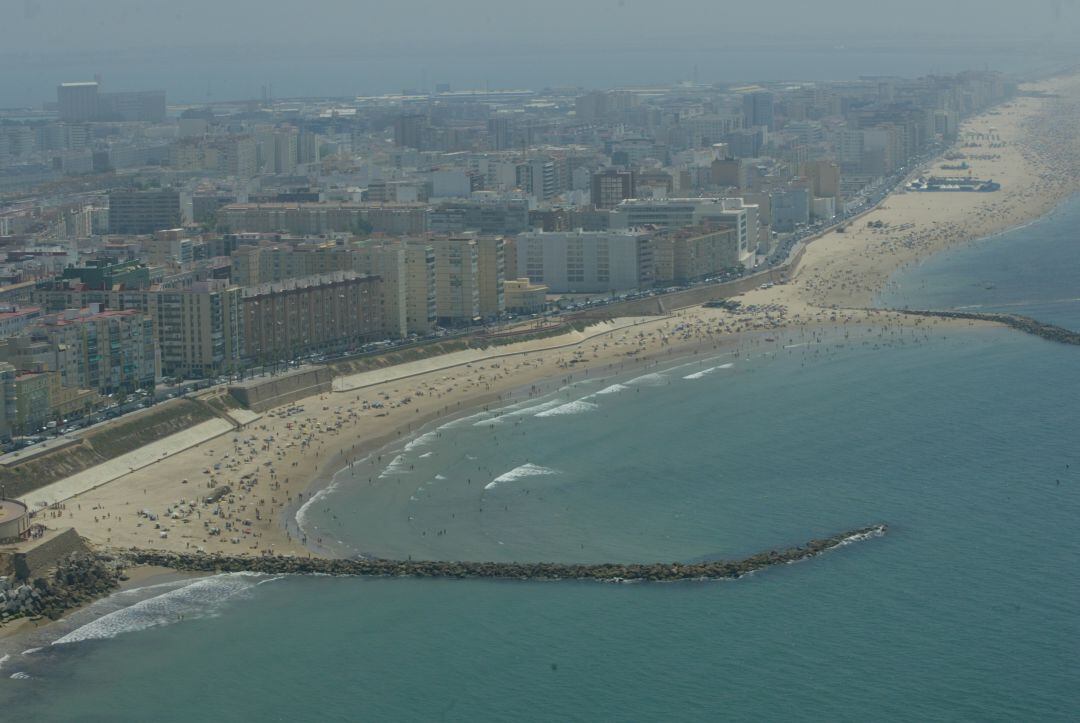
[16, 313]
[11, 509]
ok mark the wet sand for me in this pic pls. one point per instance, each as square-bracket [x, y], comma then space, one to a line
[277, 462]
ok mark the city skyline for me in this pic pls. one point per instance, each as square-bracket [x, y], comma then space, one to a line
[346, 348]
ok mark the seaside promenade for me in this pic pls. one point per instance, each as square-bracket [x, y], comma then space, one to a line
[277, 463]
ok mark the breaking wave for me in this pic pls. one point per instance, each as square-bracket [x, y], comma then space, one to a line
[199, 599]
[522, 412]
[862, 536]
[397, 466]
[613, 389]
[463, 421]
[302, 512]
[421, 441]
[579, 406]
[649, 380]
[706, 372]
[526, 470]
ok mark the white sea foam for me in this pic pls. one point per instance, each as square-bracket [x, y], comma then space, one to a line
[7, 657]
[526, 470]
[530, 410]
[875, 532]
[198, 599]
[302, 512]
[579, 406]
[439, 477]
[425, 455]
[463, 421]
[141, 591]
[654, 379]
[396, 466]
[28, 651]
[613, 389]
[20, 676]
[706, 372]
[421, 441]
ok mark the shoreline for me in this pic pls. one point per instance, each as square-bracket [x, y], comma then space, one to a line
[339, 427]
[484, 403]
[809, 303]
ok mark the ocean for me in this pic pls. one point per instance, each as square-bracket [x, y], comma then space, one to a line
[194, 75]
[1031, 270]
[963, 440]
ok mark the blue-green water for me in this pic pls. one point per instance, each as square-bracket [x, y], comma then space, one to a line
[964, 441]
[1033, 270]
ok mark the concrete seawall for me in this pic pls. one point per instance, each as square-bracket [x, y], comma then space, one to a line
[666, 303]
[260, 395]
[604, 572]
[1025, 324]
[30, 558]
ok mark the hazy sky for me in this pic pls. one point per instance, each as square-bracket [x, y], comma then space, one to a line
[405, 24]
[202, 50]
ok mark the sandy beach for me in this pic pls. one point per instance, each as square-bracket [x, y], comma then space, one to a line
[275, 463]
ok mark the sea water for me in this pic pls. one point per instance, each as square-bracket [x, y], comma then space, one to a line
[964, 440]
[1032, 270]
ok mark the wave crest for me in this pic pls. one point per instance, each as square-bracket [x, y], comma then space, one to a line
[198, 599]
[613, 389]
[526, 470]
[579, 406]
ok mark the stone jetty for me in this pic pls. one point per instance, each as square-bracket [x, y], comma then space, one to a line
[602, 572]
[1025, 324]
[77, 579]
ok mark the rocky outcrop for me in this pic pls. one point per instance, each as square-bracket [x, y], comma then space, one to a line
[610, 572]
[1025, 324]
[78, 578]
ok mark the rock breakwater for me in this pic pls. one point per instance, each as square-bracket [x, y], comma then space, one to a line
[1026, 324]
[78, 578]
[603, 572]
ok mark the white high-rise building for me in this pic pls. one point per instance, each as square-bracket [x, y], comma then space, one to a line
[682, 212]
[586, 261]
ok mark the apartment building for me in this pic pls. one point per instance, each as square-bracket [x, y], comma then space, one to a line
[105, 351]
[682, 255]
[267, 263]
[421, 311]
[312, 219]
[328, 312]
[491, 273]
[457, 279]
[586, 261]
[386, 260]
[143, 212]
[684, 212]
